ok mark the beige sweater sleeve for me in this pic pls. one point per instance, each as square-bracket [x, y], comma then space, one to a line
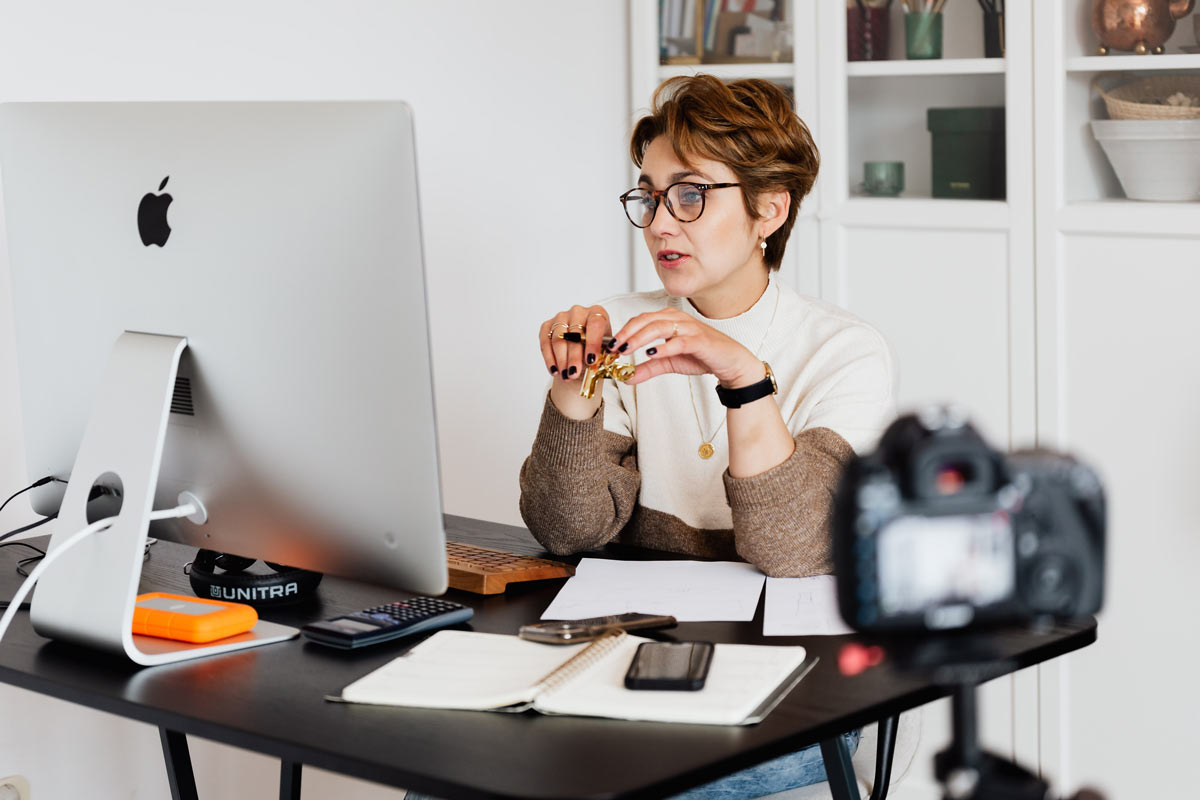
[580, 484]
[781, 516]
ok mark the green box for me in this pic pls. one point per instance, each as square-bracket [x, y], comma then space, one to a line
[968, 152]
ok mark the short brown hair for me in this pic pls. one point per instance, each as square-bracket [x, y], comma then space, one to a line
[748, 125]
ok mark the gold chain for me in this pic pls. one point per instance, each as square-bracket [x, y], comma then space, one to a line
[706, 449]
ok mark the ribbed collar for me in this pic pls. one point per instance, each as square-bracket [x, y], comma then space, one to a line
[749, 327]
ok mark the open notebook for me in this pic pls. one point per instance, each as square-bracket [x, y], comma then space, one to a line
[489, 671]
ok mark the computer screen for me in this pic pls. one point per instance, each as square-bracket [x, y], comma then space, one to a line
[282, 241]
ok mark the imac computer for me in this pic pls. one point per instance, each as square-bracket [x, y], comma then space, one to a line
[223, 302]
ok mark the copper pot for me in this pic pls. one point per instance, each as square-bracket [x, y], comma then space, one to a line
[1138, 25]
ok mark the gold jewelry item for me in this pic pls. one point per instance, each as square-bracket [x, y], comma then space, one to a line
[550, 333]
[573, 327]
[674, 329]
[598, 314]
[606, 367]
[706, 449]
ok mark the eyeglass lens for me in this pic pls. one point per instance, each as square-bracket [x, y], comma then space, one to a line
[684, 200]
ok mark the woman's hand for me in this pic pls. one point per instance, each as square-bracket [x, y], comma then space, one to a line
[691, 348]
[567, 360]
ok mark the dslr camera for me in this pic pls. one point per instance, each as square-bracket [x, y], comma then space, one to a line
[935, 531]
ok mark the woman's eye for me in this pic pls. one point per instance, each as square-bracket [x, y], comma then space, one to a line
[691, 197]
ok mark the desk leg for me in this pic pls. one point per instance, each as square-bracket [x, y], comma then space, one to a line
[179, 765]
[289, 780]
[838, 769]
[885, 751]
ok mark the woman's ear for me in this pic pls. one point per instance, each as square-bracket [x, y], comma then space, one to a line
[772, 211]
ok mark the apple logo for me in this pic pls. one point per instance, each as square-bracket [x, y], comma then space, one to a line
[152, 217]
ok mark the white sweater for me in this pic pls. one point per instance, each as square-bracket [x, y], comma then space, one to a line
[833, 371]
[632, 471]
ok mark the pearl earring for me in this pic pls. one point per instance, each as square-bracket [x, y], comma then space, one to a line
[763, 245]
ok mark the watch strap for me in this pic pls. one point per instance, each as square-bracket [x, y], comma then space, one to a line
[736, 398]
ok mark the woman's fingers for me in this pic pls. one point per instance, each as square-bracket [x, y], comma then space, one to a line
[559, 345]
[544, 341]
[598, 327]
[647, 328]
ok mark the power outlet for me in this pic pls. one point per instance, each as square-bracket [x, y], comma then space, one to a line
[14, 788]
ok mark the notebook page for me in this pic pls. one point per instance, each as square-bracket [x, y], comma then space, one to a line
[690, 591]
[803, 607]
[462, 669]
[740, 679]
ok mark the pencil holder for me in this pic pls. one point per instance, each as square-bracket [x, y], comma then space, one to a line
[923, 35]
[867, 33]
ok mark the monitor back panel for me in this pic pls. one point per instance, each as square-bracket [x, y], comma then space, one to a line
[304, 413]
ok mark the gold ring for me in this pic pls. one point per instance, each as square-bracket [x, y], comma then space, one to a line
[550, 333]
[572, 327]
[598, 314]
[674, 329]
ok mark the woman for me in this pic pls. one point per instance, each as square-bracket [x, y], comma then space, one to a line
[659, 461]
[748, 398]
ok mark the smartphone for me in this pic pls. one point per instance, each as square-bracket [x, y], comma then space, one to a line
[680, 666]
[584, 630]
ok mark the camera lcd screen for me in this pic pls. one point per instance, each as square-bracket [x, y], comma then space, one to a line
[926, 562]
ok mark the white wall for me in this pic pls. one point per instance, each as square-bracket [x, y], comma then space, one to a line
[507, 96]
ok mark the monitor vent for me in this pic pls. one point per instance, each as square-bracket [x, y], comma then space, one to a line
[181, 401]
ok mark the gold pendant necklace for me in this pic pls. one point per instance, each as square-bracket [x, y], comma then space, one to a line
[707, 450]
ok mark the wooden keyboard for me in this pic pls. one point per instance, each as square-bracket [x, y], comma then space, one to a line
[485, 571]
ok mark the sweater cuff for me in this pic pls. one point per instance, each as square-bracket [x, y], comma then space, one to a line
[565, 443]
[769, 489]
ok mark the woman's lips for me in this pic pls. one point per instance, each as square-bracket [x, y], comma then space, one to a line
[672, 263]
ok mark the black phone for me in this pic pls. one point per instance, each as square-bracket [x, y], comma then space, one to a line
[679, 666]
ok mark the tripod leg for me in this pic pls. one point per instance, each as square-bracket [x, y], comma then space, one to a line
[885, 751]
[839, 770]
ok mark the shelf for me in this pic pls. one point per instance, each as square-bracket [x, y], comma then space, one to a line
[923, 212]
[768, 70]
[898, 68]
[1133, 63]
[1131, 218]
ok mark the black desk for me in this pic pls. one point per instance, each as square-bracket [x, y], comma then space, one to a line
[269, 699]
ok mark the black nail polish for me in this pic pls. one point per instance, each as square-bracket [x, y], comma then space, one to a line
[652, 351]
[566, 374]
[611, 345]
[591, 359]
[624, 347]
[572, 371]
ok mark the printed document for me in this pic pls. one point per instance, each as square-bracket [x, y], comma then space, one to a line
[690, 591]
[803, 607]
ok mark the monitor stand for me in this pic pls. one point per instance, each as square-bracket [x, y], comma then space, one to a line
[87, 595]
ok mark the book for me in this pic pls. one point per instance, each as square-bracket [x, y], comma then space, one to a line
[494, 672]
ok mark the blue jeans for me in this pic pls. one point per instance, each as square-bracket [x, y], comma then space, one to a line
[801, 768]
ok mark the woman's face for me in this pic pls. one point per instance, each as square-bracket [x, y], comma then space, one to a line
[715, 260]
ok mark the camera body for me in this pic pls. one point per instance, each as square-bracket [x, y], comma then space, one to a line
[935, 530]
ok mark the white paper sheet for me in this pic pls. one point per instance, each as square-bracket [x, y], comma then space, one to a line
[803, 607]
[690, 591]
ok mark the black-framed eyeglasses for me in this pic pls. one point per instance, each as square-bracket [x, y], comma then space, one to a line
[685, 201]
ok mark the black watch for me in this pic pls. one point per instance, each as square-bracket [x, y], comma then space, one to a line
[736, 398]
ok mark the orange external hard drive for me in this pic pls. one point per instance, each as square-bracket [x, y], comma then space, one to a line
[190, 619]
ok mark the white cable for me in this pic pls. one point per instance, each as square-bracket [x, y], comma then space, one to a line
[170, 513]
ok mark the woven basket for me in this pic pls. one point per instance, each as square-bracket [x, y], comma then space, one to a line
[1146, 98]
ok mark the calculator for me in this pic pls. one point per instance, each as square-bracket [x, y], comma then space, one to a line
[386, 622]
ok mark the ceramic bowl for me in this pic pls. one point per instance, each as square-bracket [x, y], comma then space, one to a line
[1155, 159]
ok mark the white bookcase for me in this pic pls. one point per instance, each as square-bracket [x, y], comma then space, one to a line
[998, 305]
